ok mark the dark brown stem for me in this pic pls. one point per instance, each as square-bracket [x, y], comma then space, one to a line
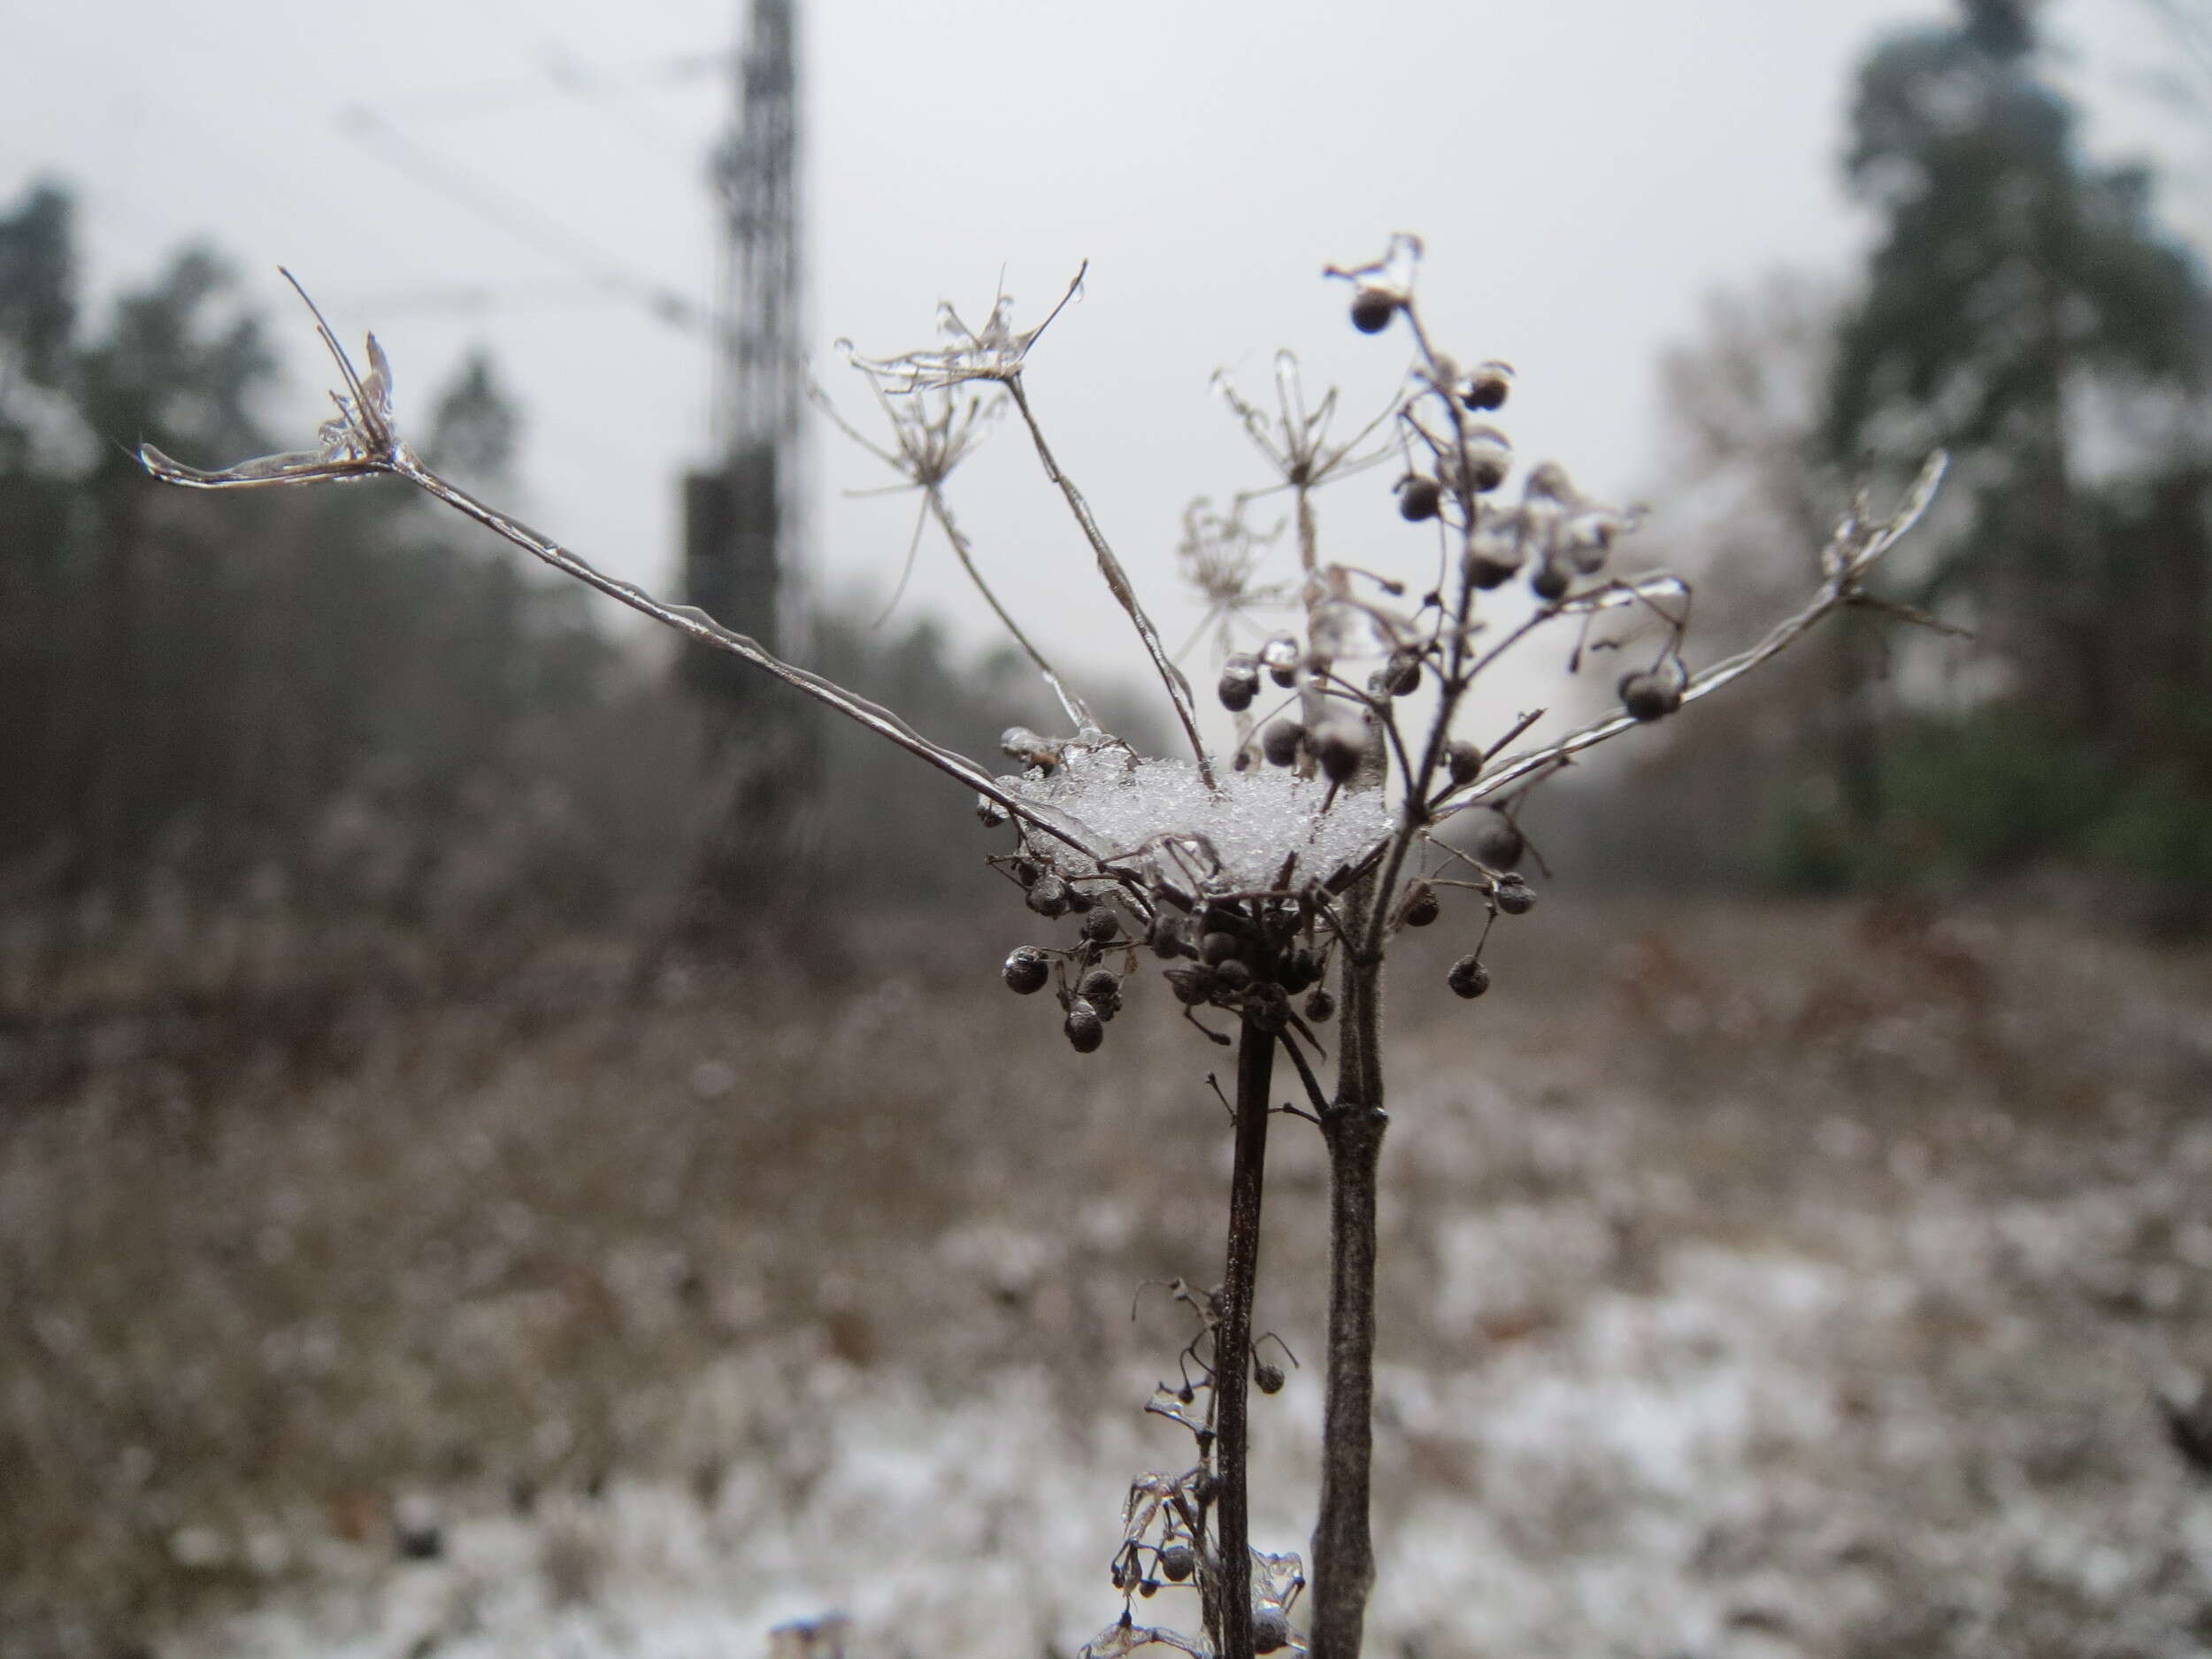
[1343, 1554]
[1232, 1342]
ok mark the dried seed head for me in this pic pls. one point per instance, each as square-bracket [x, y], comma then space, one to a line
[1418, 498]
[1193, 983]
[1267, 1378]
[1147, 1587]
[1101, 927]
[1487, 385]
[1239, 682]
[1421, 907]
[1465, 762]
[1550, 582]
[1271, 1630]
[1025, 970]
[1468, 978]
[1372, 308]
[1494, 838]
[1282, 655]
[989, 813]
[1279, 742]
[1402, 675]
[1084, 1028]
[1320, 1006]
[1025, 870]
[1081, 902]
[1298, 969]
[1232, 975]
[1217, 948]
[1098, 982]
[1178, 1561]
[1049, 897]
[1652, 695]
[1513, 896]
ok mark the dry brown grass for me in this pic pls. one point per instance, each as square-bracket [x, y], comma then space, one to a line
[1799, 1276]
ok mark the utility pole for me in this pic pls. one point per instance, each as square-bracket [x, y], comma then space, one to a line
[741, 522]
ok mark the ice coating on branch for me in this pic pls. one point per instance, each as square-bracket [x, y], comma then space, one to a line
[1252, 820]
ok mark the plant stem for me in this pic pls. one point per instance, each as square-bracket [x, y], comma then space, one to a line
[1343, 1554]
[1232, 1342]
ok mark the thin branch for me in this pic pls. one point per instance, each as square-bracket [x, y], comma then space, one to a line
[1118, 582]
[1076, 708]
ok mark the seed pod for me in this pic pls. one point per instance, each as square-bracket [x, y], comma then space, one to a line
[1372, 308]
[1239, 682]
[1217, 948]
[1487, 385]
[1652, 695]
[1193, 983]
[1468, 978]
[1489, 569]
[1550, 582]
[1170, 938]
[1281, 656]
[989, 813]
[1320, 1006]
[1465, 762]
[1267, 1378]
[1402, 675]
[1279, 742]
[1418, 498]
[1025, 970]
[1178, 1561]
[1025, 870]
[1494, 838]
[1098, 982]
[1081, 902]
[1268, 1004]
[1298, 969]
[1488, 460]
[1232, 975]
[1147, 1587]
[1084, 1028]
[1421, 906]
[1271, 1630]
[1101, 927]
[1513, 896]
[1340, 754]
[1049, 897]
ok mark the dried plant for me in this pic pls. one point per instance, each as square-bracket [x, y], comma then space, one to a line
[1260, 879]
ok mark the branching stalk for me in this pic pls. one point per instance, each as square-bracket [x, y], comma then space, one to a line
[1232, 1341]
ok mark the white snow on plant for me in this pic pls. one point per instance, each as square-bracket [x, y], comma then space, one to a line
[1253, 820]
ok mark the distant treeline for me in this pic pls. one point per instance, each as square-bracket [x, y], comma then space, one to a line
[338, 704]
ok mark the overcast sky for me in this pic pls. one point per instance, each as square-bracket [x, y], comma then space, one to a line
[1583, 172]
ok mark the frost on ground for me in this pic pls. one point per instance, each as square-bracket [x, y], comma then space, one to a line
[1758, 1284]
[1254, 822]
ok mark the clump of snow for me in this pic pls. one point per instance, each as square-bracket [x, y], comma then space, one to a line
[1252, 820]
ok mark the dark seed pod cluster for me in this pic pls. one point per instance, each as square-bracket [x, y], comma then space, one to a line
[1320, 1006]
[1280, 741]
[1488, 387]
[1513, 896]
[1271, 1630]
[1178, 1561]
[1267, 1378]
[1465, 761]
[1049, 897]
[1402, 675]
[1101, 927]
[1281, 656]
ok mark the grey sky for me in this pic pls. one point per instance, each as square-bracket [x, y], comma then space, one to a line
[1583, 172]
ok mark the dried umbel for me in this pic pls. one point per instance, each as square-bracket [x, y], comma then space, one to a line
[1269, 875]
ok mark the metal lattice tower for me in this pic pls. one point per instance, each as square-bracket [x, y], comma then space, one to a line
[740, 522]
